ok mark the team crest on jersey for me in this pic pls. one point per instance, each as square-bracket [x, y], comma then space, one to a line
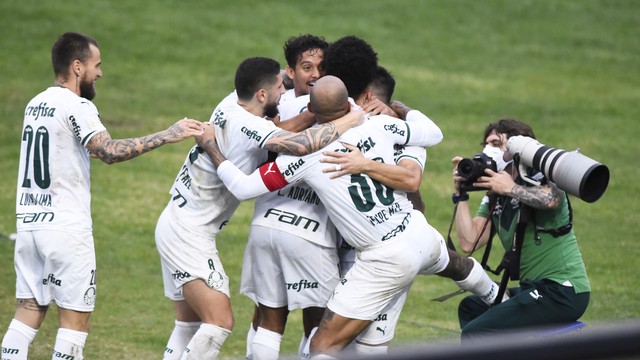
[215, 280]
[90, 296]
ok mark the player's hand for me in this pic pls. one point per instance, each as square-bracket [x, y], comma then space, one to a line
[352, 162]
[208, 134]
[375, 106]
[183, 129]
[355, 116]
[401, 109]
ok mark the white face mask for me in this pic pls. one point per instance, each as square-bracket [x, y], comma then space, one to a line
[497, 155]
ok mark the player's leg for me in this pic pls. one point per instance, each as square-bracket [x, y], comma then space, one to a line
[22, 329]
[71, 282]
[253, 327]
[29, 315]
[335, 333]
[214, 309]
[375, 339]
[72, 334]
[467, 273]
[266, 342]
[186, 324]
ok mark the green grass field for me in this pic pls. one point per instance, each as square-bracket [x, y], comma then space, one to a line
[569, 68]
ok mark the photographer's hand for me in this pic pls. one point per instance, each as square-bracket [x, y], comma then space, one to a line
[500, 183]
[457, 180]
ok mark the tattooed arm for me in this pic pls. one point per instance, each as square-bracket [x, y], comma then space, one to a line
[314, 138]
[109, 150]
[546, 196]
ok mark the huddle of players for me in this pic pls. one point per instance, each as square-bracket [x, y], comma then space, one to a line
[291, 260]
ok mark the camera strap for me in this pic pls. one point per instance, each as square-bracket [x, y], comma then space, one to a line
[562, 230]
[511, 260]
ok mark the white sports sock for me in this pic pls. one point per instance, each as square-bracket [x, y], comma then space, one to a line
[16, 341]
[303, 343]
[250, 334]
[479, 283]
[266, 344]
[206, 343]
[180, 336]
[365, 350]
[69, 344]
[306, 353]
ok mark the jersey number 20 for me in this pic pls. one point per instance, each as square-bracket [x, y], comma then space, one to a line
[38, 147]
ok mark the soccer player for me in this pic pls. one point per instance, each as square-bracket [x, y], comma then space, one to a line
[291, 259]
[200, 205]
[393, 242]
[54, 254]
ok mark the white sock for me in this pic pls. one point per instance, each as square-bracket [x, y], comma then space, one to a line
[306, 352]
[69, 344]
[365, 350]
[16, 341]
[479, 283]
[180, 336]
[250, 334]
[206, 343]
[266, 344]
[303, 343]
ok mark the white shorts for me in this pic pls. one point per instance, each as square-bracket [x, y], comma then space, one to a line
[384, 272]
[56, 267]
[383, 328]
[281, 269]
[187, 256]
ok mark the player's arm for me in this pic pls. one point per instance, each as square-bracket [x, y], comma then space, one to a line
[300, 122]
[406, 176]
[109, 150]
[266, 178]
[313, 138]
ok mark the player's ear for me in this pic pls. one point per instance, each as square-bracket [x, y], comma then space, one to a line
[309, 107]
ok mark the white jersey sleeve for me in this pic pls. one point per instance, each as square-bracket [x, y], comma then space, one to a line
[54, 174]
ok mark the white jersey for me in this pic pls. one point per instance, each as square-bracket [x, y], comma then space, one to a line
[199, 199]
[54, 185]
[376, 212]
[295, 209]
[290, 107]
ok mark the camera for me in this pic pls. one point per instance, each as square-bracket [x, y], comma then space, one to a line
[470, 169]
[571, 171]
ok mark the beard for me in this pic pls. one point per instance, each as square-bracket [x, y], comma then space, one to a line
[271, 110]
[87, 89]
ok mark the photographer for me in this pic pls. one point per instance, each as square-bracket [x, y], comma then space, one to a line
[533, 224]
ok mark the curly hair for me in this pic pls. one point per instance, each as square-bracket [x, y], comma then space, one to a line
[509, 127]
[297, 45]
[352, 60]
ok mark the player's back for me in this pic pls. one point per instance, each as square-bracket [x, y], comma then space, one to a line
[363, 210]
[54, 172]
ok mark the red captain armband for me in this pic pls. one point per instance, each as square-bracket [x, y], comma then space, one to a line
[272, 177]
